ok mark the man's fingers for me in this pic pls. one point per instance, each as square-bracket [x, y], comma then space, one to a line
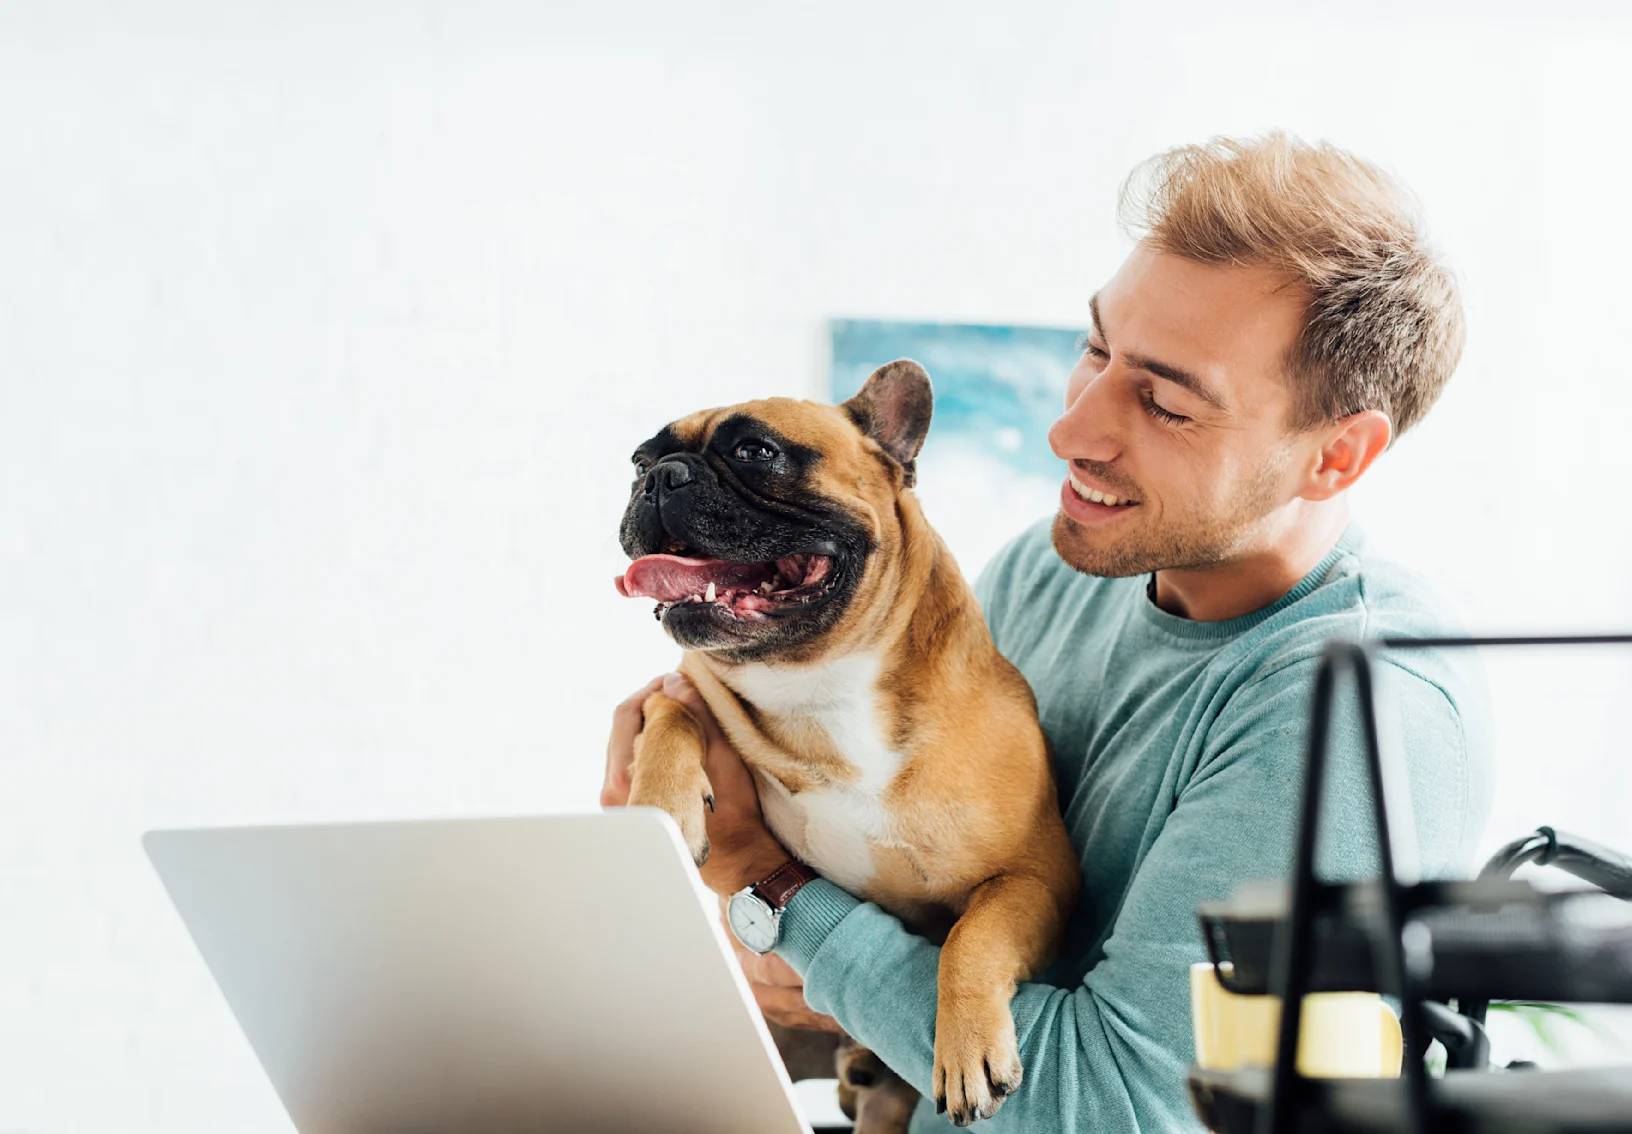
[768, 969]
[786, 1006]
[733, 787]
[627, 720]
[772, 969]
[681, 689]
[782, 1001]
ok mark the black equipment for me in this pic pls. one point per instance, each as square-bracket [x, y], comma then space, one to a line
[1424, 943]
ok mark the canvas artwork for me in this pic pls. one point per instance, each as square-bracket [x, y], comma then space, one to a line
[986, 472]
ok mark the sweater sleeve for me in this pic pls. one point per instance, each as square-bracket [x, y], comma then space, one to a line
[1109, 1055]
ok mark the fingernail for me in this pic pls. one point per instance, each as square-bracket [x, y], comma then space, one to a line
[674, 683]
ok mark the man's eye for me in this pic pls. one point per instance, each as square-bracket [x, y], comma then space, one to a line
[1088, 348]
[753, 451]
[1160, 413]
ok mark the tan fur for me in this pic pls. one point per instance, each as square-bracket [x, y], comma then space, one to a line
[977, 855]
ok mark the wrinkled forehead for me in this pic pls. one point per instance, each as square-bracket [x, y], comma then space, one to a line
[1231, 327]
[805, 429]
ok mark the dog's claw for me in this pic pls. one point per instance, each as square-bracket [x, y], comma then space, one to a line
[975, 1088]
[940, 1104]
[999, 1090]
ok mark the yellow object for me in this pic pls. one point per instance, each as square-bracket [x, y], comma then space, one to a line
[1345, 1035]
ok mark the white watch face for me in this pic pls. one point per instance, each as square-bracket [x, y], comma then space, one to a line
[752, 921]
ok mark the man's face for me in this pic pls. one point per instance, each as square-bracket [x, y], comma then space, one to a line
[1179, 405]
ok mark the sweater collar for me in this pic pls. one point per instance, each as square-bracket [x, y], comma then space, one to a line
[1348, 544]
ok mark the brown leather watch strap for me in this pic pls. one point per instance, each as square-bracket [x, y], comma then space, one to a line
[783, 883]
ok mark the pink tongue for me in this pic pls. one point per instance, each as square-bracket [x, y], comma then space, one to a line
[671, 578]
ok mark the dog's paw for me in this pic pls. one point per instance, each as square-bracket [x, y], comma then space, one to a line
[858, 1067]
[685, 797]
[882, 1101]
[977, 1061]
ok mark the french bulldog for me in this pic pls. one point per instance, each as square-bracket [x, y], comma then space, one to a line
[895, 750]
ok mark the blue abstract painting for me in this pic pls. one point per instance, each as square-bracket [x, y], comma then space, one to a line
[986, 470]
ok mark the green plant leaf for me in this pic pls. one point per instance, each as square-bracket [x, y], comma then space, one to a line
[1544, 1020]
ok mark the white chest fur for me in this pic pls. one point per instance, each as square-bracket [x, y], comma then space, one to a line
[834, 828]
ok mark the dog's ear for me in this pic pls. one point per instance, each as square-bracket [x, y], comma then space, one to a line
[893, 407]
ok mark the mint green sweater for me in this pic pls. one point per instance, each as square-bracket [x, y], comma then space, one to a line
[1178, 747]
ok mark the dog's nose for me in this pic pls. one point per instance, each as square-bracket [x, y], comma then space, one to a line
[672, 475]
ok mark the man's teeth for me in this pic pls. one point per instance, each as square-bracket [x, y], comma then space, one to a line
[1096, 495]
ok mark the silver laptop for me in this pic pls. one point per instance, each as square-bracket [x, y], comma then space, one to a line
[488, 976]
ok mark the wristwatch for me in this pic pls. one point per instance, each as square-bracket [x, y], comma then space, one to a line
[755, 912]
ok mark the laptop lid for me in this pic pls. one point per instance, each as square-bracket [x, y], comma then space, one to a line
[480, 976]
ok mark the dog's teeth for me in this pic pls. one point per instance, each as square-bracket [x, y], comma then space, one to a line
[708, 596]
[766, 587]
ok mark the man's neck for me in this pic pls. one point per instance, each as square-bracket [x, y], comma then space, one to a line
[1259, 577]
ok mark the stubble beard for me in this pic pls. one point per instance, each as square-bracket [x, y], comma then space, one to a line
[1213, 540]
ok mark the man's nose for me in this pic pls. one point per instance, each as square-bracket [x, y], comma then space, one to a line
[1090, 427]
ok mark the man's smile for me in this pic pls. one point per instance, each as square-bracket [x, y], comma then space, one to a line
[1098, 495]
[1089, 505]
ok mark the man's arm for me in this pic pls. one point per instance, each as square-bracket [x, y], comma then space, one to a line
[1105, 1056]
[1110, 1054]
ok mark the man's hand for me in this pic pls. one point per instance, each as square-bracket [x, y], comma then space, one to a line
[742, 849]
[778, 990]
[627, 720]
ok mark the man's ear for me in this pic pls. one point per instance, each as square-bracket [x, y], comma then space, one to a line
[1350, 445]
[893, 407]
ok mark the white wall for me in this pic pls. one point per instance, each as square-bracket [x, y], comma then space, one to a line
[326, 330]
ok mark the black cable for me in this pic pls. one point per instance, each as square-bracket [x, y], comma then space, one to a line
[1467, 1048]
[1512, 640]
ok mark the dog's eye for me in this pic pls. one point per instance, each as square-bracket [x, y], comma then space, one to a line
[642, 465]
[753, 450]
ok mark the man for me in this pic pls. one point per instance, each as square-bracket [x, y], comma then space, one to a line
[1278, 325]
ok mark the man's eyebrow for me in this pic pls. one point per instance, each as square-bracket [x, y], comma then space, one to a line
[1179, 378]
[1172, 374]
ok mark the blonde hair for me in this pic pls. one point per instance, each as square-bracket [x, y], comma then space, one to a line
[1383, 328]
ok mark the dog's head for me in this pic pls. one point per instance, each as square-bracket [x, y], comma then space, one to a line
[762, 528]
